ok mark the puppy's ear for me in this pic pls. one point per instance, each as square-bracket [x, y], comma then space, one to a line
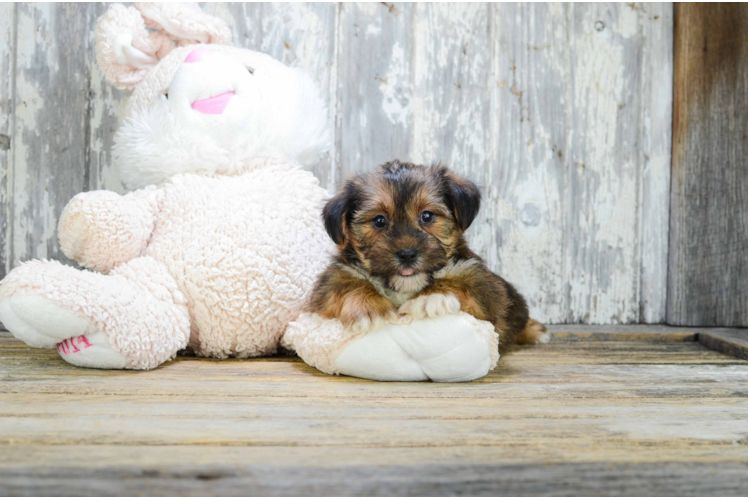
[333, 215]
[464, 198]
[337, 210]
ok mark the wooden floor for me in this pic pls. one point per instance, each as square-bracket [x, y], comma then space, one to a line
[606, 413]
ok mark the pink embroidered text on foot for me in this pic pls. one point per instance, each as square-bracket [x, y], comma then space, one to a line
[66, 345]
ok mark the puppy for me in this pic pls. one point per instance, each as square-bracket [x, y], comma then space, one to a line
[401, 250]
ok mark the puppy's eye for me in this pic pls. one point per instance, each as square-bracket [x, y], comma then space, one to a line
[379, 222]
[427, 217]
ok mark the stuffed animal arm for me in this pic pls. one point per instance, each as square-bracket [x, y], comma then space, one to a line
[102, 229]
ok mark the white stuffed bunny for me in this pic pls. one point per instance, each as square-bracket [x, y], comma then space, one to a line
[220, 244]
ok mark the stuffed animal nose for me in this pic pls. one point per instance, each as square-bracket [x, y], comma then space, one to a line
[407, 255]
[198, 55]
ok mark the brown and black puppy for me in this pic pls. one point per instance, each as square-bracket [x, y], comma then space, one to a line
[399, 232]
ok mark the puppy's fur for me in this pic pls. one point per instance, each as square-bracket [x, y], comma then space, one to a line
[399, 232]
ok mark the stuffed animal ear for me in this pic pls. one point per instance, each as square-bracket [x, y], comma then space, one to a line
[464, 198]
[184, 23]
[125, 50]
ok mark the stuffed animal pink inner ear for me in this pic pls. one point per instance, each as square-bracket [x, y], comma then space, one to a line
[185, 23]
[126, 50]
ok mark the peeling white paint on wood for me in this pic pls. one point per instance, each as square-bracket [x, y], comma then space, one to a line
[560, 112]
[49, 143]
[603, 263]
[106, 107]
[524, 223]
[375, 85]
[565, 197]
[656, 87]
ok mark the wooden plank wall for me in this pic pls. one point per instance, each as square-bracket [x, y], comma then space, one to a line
[708, 282]
[560, 112]
[7, 50]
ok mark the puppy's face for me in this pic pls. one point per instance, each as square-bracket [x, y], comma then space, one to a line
[402, 222]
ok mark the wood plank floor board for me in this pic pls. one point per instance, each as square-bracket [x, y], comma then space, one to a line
[652, 333]
[581, 415]
[731, 341]
[669, 479]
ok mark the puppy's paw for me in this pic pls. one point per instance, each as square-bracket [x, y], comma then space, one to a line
[366, 321]
[364, 325]
[431, 306]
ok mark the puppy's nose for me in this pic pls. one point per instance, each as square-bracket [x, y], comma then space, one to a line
[407, 255]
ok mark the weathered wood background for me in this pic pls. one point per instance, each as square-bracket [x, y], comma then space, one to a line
[562, 113]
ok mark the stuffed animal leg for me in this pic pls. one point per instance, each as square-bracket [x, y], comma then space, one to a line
[450, 348]
[134, 317]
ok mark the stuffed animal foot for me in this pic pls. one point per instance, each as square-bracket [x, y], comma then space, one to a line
[132, 318]
[451, 348]
[41, 323]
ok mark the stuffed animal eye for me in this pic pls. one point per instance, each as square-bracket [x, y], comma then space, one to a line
[427, 217]
[379, 222]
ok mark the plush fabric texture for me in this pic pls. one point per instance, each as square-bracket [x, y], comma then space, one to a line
[101, 229]
[318, 341]
[245, 250]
